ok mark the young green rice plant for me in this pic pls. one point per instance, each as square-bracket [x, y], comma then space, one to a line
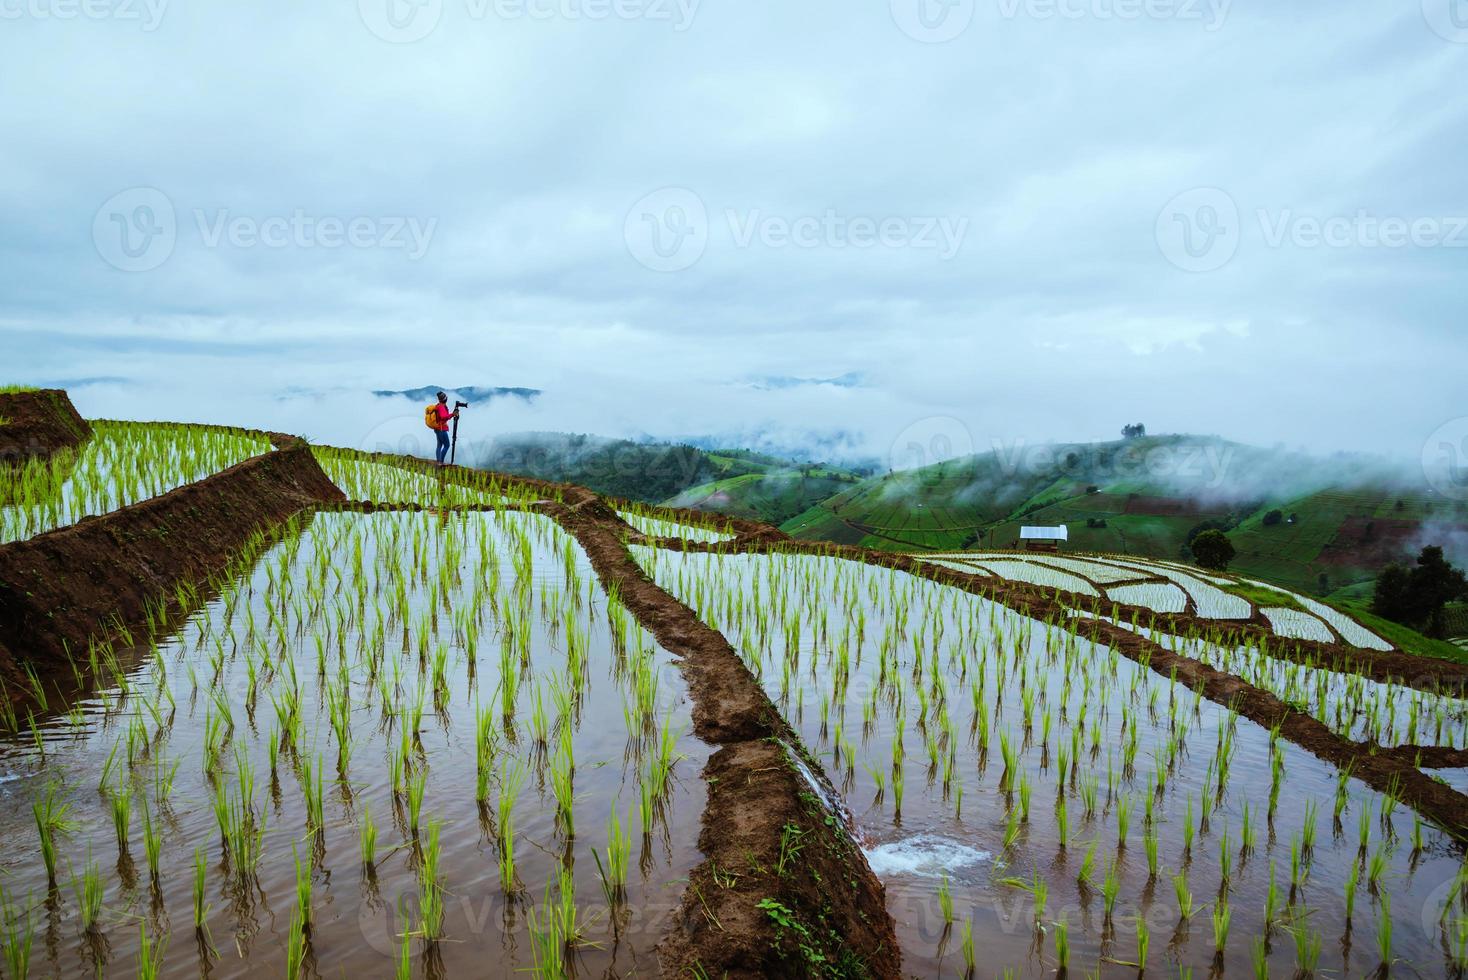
[1123, 818]
[51, 821]
[1062, 823]
[1110, 887]
[1375, 870]
[295, 947]
[1222, 916]
[1384, 932]
[619, 855]
[201, 908]
[1144, 939]
[945, 900]
[1188, 829]
[1149, 844]
[303, 891]
[968, 947]
[122, 808]
[368, 839]
[1307, 944]
[1259, 958]
[1011, 831]
[1062, 946]
[150, 956]
[417, 787]
[430, 900]
[1180, 889]
[88, 890]
[1353, 879]
[511, 779]
[152, 844]
[1088, 864]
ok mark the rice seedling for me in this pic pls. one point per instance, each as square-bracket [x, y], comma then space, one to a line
[19, 935]
[1384, 932]
[50, 813]
[150, 956]
[1185, 906]
[368, 840]
[88, 889]
[201, 907]
[1222, 916]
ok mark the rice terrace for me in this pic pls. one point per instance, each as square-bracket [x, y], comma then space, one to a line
[298, 710]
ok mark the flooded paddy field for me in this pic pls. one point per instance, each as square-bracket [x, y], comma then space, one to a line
[396, 744]
[1038, 803]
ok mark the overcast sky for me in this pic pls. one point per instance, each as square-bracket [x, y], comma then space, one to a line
[1012, 219]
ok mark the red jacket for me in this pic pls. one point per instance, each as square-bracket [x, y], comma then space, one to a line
[444, 414]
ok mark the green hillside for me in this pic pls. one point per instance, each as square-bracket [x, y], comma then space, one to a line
[773, 495]
[1340, 519]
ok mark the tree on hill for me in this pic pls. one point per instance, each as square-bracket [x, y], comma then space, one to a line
[1416, 596]
[1273, 517]
[1136, 431]
[1212, 549]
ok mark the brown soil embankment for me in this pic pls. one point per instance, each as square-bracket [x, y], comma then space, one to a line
[746, 913]
[65, 588]
[35, 424]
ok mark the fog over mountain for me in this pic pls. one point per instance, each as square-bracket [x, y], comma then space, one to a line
[707, 224]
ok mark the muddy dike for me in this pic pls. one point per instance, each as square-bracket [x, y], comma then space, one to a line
[61, 590]
[783, 891]
[38, 423]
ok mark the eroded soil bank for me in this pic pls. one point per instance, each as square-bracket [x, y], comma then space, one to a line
[60, 590]
[783, 890]
[35, 424]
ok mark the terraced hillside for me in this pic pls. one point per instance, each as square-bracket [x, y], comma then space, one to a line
[321, 712]
[1337, 522]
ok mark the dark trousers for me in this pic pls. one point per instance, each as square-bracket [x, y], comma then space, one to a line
[443, 443]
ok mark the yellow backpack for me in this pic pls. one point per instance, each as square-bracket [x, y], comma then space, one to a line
[430, 416]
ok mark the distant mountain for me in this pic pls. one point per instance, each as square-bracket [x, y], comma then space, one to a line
[774, 382]
[471, 394]
[737, 482]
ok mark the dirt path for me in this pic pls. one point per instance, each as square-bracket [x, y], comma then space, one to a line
[835, 907]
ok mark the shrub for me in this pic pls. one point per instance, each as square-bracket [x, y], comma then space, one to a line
[1212, 549]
